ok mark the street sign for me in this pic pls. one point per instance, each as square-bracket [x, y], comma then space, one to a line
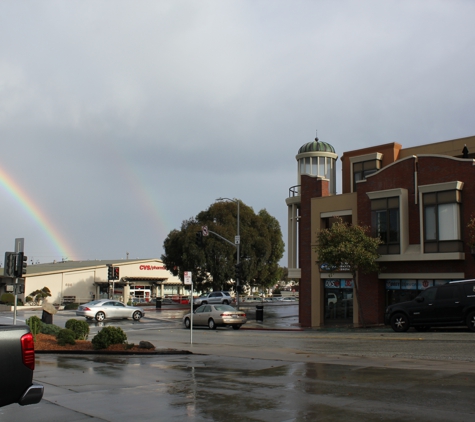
[20, 244]
[204, 230]
[237, 240]
[187, 278]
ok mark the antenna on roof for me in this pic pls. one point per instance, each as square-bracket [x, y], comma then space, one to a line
[316, 134]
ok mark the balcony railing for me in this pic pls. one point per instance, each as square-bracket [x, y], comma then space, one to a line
[294, 191]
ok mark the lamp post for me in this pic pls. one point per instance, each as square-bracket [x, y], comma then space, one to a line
[237, 241]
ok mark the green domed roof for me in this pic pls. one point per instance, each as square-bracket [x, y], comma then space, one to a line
[316, 146]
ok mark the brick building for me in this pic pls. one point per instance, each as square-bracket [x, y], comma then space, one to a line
[417, 200]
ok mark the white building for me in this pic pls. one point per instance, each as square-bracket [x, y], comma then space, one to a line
[83, 281]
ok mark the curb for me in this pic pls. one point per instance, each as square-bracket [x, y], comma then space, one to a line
[113, 352]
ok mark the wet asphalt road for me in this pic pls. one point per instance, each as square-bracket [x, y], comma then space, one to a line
[261, 375]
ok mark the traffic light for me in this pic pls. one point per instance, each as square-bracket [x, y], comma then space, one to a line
[110, 273]
[10, 264]
[238, 271]
[199, 239]
[20, 268]
[116, 273]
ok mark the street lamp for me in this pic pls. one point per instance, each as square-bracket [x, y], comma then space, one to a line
[237, 241]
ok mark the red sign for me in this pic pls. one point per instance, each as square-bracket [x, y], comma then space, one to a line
[150, 267]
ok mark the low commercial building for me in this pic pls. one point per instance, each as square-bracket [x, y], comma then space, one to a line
[418, 200]
[83, 281]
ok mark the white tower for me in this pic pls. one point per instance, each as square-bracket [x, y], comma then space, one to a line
[315, 159]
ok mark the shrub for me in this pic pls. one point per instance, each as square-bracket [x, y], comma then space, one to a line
[7, 299]
[80, 328]
[107, 336]
[50, 329]
[71, 306]
[65, 336]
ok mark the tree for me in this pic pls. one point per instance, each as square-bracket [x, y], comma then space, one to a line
[40, 295]
[213, 265]
[350, 247]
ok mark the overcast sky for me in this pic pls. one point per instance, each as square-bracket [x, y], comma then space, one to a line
[121, 119]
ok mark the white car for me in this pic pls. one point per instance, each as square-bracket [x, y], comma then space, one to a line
[289, 299]
[109, 309]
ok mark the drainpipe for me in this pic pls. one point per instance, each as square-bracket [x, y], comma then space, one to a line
[416, 182]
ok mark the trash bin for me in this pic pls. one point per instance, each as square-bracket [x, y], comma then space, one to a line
[158, 303]
[46, 317]
[260, 313]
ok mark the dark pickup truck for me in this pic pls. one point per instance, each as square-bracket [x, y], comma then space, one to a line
[17, 363]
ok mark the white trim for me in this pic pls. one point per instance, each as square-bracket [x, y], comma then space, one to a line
[421, 276]
[447, 256]
[440, 187]
[330, 214]
[336, 275]
[386, 193]
[366, 157]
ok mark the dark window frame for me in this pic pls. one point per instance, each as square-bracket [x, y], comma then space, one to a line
[434, 200]
[363, 169]
[386, 211]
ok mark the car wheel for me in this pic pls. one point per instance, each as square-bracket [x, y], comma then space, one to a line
[400, 322]
[204, 303]
[225, 302]
[236, 327]
[137, 315]
[422, 328]
[187, 323]
[211, 324]
[100, 316]
[471, 321]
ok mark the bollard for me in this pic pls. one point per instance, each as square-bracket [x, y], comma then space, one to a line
[158, 303]
[260, 313]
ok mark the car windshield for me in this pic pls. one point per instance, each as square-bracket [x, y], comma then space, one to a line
[224, 308]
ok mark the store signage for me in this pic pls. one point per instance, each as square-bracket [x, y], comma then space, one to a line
[409, 284]
[332, 284]
[425, 284]
[393, 284]
[346, 284]
[151, 267]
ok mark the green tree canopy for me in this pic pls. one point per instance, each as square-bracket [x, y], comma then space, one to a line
[344, 246]
[213, 265]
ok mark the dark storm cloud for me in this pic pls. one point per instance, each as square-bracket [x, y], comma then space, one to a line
[165, 106]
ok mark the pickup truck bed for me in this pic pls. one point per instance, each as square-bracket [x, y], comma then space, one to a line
[17, 363]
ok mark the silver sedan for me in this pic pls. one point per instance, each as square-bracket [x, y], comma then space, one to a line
[109, 309]
[214, 316]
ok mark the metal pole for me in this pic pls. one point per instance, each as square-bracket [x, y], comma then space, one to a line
[191, 314]
[238, 257]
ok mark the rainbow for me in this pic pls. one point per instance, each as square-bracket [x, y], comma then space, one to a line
[20, 196]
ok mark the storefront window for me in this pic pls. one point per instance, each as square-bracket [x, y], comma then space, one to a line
[338, 303]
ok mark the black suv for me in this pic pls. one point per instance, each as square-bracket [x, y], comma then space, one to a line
[449, 304]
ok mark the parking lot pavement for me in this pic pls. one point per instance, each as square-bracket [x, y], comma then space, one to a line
[275, 376]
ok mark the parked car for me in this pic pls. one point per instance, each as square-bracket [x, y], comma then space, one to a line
[214, 316]
[254, 299]
[450, 304]
[109, 309]
[213, 297]
[289, 299]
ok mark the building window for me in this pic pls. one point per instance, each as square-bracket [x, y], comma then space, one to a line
[385, 224]
[442, 221]
[363, 169]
